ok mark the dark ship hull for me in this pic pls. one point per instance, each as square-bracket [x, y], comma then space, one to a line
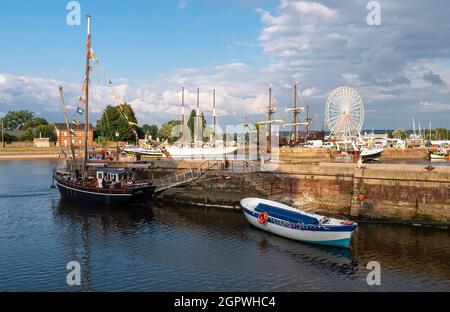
[110, 196]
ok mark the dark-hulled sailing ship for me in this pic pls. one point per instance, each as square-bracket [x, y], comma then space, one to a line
[99, 185]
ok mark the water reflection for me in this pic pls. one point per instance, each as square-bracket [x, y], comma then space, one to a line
[178, 248]
[78, 225]
[121, 219]
[210, 249]
[405, 249]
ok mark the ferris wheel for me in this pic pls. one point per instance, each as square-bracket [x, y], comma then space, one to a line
[344, 113]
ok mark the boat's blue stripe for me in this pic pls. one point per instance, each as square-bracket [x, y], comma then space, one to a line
[286, 215]
[301, 226]
[345, 242]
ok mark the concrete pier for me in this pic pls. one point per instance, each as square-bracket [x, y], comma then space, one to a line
[397, 193]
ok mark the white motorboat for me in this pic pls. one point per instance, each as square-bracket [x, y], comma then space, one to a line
[371, 154]
[440, 154]
[144, 152]
[295, 224]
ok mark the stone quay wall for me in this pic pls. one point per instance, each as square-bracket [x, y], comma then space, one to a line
[397, 193]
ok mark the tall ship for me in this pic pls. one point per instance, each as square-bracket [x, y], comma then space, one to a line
[186, 149]
[97, 183]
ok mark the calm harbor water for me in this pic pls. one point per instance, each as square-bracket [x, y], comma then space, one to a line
[160, 248]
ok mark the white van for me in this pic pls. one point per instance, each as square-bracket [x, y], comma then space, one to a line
[313, 144]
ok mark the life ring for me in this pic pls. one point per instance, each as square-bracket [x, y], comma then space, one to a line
[263, 217]
[361, 197]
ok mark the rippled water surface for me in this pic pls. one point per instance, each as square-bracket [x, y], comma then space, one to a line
[164, 248]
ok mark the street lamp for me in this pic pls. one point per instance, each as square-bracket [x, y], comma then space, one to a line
[117, 144]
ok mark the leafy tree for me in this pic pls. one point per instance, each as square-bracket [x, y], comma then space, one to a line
[166, 130]
[399, 133]
[101, 141]
[150, 130]
[117, 119]
[39, 121]
[27, 136]
[45, 131]
[440, 134]
[17, 120]
[9, 138]
[191, 123]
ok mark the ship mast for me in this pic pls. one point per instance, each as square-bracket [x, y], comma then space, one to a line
[86, 109]
[182, 115]
[270, 112]
[61, 93]
[198, 121]
[182, 106]
[296, 112]
[246, 121]
[214, 118]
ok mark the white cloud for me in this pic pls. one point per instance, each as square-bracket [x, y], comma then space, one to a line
[2, 79]
[320, 44]
[310, 8]
[327, 44]
[182, 4]
[434, 107]
[310, 91]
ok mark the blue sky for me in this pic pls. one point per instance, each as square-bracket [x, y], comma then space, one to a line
[137, 39]
[150, 49]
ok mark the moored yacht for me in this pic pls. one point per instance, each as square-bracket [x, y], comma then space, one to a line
[371, 154]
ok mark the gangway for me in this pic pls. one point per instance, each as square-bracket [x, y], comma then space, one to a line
[182, 178]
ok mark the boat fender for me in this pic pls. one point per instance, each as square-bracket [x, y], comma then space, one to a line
[263, 217]
[346, 223]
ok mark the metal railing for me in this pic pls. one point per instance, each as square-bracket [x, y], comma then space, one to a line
[234, 166]
[177, 179]
[190, 175]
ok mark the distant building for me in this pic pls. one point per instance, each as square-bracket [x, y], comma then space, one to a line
[41, 142]
[63, 139]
